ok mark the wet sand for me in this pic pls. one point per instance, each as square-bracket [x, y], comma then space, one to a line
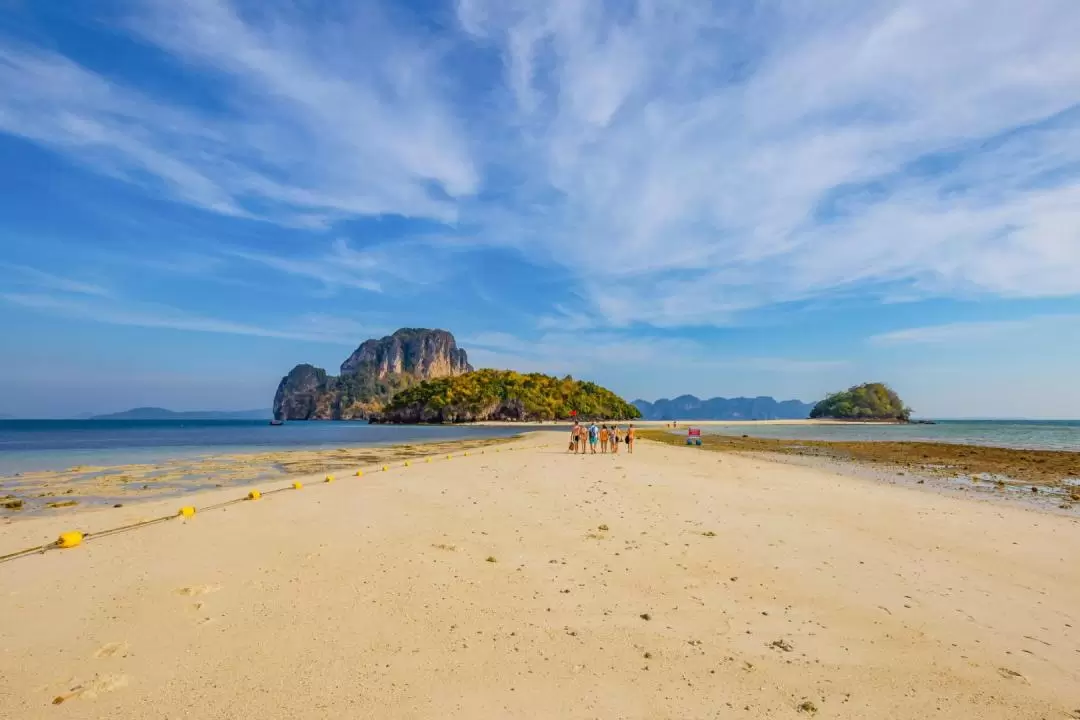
[536, 584]
[1047, 476]
[52, 492]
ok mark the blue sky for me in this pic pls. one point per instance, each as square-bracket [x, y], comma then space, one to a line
[730, 198]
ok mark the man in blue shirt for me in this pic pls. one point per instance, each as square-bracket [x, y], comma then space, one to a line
[594, 437]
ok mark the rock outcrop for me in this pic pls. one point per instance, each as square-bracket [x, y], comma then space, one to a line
[369, 377]
[423, 354]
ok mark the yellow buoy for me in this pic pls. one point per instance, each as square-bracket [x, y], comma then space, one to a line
[187, 511]
[427, 460]
[254, 495]
[298, 485]
[69, 539]
[359, 473]
[385, 468]
[329, 478]
[407, 463]
[449, 456]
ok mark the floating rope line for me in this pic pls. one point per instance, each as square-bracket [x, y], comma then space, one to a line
[75, 538]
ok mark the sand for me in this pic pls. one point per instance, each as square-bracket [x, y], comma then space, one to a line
[673, 583]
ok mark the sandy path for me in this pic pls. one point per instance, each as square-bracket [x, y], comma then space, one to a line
[372, 598]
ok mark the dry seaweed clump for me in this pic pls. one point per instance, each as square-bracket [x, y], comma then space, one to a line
[11, 503]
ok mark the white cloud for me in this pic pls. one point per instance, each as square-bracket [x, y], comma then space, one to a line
[963, 333]
[686, 161]
[321, 120]
[374, 268]
[311, 328]
[700, 142]
[23, 275]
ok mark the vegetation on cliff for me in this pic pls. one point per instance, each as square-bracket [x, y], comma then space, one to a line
[504, 395]
[869, 401]
[369, 376]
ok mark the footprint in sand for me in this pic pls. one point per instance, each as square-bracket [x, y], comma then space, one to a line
[1011, 674]
[93, 688]
[112, 649]
[198, 590]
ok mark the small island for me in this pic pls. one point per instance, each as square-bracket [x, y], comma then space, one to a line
[875, 402]
[503, 395]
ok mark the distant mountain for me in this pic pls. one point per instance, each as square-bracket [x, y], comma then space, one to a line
[688, 407]
[156, 413]
[5, 416]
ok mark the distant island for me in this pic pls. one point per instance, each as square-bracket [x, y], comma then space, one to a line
[418, 375]
[688, 407]
[373, 374]
[869, 401]
[503, 395]
[156, 413]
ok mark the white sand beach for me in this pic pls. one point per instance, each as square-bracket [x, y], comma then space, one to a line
[674, 583]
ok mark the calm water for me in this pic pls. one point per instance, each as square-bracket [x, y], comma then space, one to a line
[58, 444]
[1027, 434]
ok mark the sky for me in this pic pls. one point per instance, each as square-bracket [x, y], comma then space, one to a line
[750, 197]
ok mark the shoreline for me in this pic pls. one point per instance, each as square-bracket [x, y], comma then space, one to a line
[55, 492]
[1046, 479]
[535, 583]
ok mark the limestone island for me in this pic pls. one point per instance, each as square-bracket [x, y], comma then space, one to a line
[418, 375]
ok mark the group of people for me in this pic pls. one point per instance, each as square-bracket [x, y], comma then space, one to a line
[607, 438]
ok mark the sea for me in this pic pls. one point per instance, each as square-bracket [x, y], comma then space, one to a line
[33, 445]
[1020, 434]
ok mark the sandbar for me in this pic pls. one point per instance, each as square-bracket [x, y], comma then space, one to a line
[673, 583]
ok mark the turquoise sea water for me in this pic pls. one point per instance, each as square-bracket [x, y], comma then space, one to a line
[1025, 434]
[27, 445]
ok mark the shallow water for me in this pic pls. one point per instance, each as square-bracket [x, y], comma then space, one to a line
[1021, 434]
[30, 445]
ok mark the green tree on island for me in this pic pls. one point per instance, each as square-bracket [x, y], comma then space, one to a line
[869, 401]
[505, 395]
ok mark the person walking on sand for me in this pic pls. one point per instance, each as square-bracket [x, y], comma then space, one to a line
[574, 431]
[594, 438]
[604, 436]
[630, 439]
[615, 439]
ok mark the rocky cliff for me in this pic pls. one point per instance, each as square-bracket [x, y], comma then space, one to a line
[369, 377]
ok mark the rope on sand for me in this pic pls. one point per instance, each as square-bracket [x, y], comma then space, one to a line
[75, 538]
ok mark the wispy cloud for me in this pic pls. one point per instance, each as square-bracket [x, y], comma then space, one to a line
[322, 121]
[963, 333]
[373, 268]
[598, 353]
[23, 275]
[312, 328]
[684, 161]
[742, 158]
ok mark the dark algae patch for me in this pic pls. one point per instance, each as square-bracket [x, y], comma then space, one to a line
[1040, 467]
